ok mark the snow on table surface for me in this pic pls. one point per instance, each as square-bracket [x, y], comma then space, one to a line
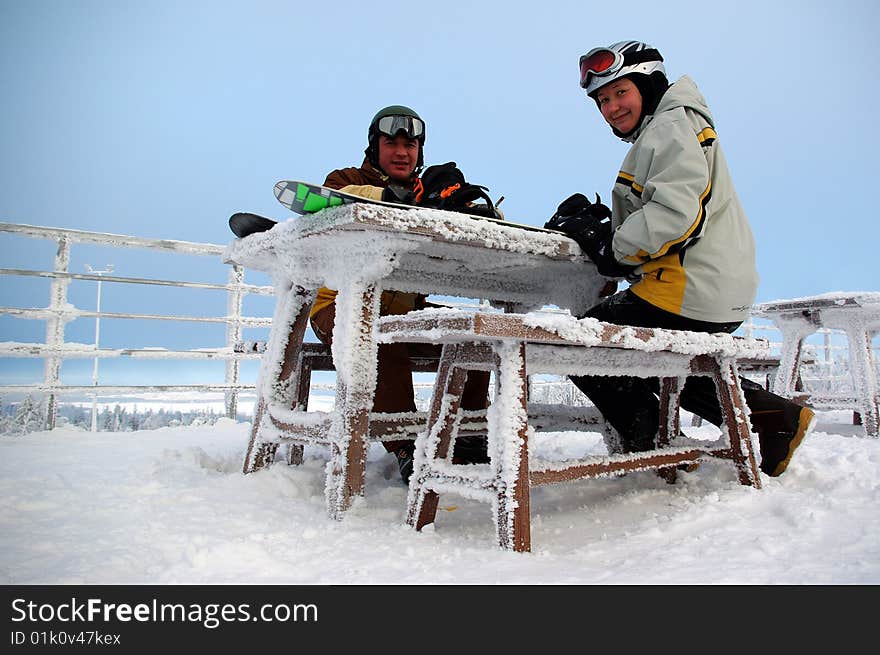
[424, 251]
[846, 310]
[841, 298]
[449, 226]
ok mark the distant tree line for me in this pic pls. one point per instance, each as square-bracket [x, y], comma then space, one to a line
[29, 415]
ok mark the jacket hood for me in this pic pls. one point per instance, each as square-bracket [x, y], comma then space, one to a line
[682, 93]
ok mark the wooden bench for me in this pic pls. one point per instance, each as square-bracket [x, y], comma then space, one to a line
[515, 345]
[297, 427]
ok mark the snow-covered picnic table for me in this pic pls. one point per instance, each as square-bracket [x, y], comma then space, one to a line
[361, 250]
[858, 315]
[426, 251]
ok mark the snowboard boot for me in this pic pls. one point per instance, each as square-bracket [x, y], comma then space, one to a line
[642, 426]
[404, 457]
[780, 432]
[472, 449]
[628, 404]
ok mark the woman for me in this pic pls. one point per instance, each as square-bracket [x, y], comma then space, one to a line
[680, 235]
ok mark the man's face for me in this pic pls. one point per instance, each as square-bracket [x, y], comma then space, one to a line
[398, 156]
[621, 104]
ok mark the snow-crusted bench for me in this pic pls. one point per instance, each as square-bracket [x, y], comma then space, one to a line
[296, 427]
[513, 346]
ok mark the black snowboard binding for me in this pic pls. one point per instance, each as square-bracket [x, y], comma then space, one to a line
[243, 223]
[443, 187]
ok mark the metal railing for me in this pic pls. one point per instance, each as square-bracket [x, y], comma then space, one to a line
[59, 312]
[825, 355]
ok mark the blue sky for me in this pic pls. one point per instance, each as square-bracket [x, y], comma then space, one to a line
[161, 118]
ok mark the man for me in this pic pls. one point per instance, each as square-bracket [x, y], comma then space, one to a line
[679, 233]
[390, 171]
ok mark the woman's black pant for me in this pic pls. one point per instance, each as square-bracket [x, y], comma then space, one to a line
[631, 405]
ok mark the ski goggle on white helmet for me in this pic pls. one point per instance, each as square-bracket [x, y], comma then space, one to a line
[601, 66]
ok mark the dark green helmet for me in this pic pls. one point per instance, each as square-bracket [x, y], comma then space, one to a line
[391, 121]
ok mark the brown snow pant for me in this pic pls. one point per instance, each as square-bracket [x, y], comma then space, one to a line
[394, 385]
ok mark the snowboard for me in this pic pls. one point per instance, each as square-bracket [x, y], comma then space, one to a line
[301, 198]
[307, 198]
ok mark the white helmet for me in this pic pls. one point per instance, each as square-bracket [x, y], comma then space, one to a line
[601, 66]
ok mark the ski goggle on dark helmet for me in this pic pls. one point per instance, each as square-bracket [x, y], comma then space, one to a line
[413, 127]
[601, 66]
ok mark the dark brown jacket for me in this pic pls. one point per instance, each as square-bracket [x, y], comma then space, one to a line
[366, 174]
[393, 302]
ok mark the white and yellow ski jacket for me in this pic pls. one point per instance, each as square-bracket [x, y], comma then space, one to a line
[676, 213]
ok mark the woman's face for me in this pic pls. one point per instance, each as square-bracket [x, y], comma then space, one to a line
[621, 104]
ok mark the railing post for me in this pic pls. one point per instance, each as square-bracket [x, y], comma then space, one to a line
[55, 327]
[233, 335]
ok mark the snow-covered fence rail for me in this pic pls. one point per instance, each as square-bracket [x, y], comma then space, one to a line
[825, 369]
[58, 312]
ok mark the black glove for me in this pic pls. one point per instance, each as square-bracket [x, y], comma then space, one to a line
[607, 264]
[399, 195]
[443, 186]
[589, 224]
[438, 182]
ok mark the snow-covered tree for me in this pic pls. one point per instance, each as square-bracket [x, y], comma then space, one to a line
[30, 415]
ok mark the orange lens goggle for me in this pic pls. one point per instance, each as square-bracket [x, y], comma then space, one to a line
[599, 61]
[604, 61]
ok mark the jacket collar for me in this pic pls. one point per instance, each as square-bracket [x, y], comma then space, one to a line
[377, 177]
[682, 93]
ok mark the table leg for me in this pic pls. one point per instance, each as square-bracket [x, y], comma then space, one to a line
[435, 442]
[734, 413]
[864, 377]
[355, 358]
[670, 421]
[793, 334]
[508, 438]
[277, 379]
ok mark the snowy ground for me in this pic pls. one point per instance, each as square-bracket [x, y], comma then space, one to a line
[170, 506]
